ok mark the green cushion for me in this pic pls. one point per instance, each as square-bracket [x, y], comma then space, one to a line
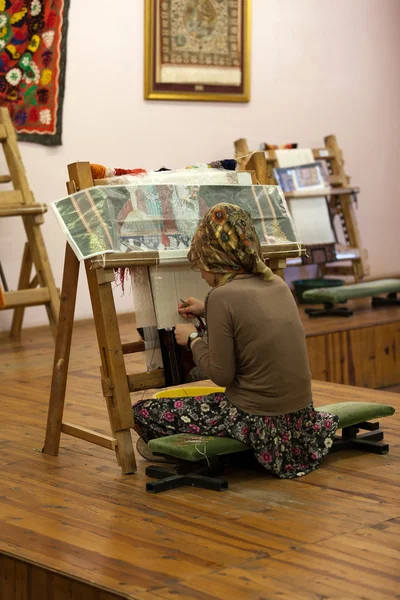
[358, 290]
[351, 413]
[195, 447]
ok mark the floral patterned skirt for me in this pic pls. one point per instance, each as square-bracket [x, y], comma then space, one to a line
[288, 446]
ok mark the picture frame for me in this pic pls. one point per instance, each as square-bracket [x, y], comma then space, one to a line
[197, 50]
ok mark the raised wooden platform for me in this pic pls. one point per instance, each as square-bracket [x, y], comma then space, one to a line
[74, 527]
[362, 350]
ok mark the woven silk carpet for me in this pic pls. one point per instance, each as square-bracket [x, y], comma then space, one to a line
[32, 66]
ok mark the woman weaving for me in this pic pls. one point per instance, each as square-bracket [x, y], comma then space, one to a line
[256, 349]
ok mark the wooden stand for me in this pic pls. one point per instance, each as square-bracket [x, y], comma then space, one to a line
[341, 197]
[116, 384]
[41, 289]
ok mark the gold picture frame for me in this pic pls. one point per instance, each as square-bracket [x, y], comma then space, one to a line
[236, 87]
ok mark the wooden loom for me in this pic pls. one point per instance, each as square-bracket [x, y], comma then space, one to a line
[116, 383]
[340, 199]
[19, 202]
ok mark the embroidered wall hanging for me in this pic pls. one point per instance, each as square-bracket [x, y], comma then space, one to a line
[197, 50]
[33, 35]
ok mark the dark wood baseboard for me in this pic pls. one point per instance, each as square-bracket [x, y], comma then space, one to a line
[20, 580]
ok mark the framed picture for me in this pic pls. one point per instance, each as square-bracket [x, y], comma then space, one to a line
[197, 50]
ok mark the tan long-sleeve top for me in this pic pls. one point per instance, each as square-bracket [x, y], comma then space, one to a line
[256, 346]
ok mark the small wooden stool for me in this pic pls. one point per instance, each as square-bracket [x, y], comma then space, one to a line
[200, 458]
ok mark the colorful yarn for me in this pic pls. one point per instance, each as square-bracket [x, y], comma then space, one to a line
[121, 275]
[229, 164]
[119, 172]
[101, 172]
[265, 146]
[98, 171]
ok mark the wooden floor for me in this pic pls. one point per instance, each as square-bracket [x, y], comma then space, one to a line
[333, 534]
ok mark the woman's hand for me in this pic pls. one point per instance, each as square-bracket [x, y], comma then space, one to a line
[191, 308]
[182, 332]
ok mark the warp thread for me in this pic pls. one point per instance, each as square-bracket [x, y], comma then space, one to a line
[121, 276]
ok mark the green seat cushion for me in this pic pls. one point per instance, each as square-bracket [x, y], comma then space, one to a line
[357, 290]
[351, 413]
[195, 447]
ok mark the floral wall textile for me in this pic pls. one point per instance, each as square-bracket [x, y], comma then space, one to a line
[33, 36]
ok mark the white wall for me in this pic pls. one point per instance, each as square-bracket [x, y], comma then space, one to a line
[318, 67]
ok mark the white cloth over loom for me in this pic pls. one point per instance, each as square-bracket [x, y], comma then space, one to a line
[310, 215]
[201, 175]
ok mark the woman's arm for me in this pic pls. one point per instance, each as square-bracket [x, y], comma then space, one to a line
[217, 359]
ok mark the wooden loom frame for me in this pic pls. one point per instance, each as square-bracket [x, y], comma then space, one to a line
[41, 289]
[116, 383]
[340, 198]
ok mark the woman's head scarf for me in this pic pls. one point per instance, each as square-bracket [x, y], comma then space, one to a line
[226, 242]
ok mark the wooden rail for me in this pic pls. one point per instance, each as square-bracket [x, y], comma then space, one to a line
[29, 297]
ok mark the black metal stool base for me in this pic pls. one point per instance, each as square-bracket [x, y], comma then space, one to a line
[390, 300]
[366, 442]
[329, 310]
[170, 479]
[202, 474]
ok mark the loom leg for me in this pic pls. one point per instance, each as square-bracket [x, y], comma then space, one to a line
[62, 352]
[43, 270]
[114, 377]
[3, 278]
[23, 284]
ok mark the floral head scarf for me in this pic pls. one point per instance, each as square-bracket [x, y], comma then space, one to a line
[226, 242]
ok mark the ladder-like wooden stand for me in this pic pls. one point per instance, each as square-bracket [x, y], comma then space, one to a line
[341, 197]
[19, 202]
[116, 383]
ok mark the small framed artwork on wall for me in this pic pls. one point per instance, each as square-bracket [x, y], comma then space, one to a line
[197, 50]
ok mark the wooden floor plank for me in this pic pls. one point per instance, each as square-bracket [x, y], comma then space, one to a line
[356, 566]
[336, 529]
